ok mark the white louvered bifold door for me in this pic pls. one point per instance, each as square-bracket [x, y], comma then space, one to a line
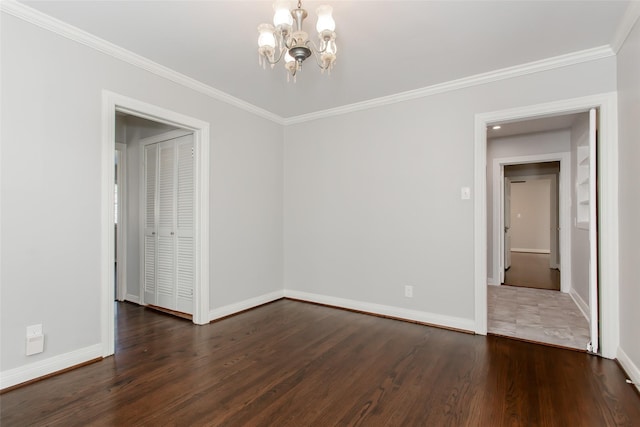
[185, 225]
[165, 268]
[170, 220]
[150, 233]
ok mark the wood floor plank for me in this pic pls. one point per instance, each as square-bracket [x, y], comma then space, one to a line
[531, 270]
[294, 364]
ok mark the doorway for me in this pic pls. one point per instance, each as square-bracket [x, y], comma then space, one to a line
[607, 205]
[112, 105]
[526, 302]
[132, 133]
[555, 168]
[531, 226]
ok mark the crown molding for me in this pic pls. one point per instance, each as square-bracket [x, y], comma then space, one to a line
[54, 25]
[478, 79]
[629, 19]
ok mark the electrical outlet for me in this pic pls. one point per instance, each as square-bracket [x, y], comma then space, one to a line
[34, 330]
[35, 340]
[408, 291]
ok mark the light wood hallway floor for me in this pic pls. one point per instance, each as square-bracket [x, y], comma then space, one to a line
[530, 305]
[290, 363]
[538, 315]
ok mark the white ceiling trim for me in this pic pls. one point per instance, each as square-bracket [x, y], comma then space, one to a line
[478, 79]
[54, 25]
[629, 19]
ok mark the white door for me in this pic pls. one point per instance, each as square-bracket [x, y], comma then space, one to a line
[507, 223]
[554, 231]
[120, 221]
[149, 218]
[169, 221]
[185, 224]
[593, 234]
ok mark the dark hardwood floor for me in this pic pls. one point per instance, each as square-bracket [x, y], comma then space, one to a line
[295, 364]
[531, 270]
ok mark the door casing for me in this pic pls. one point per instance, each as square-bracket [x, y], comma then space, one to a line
[606, 103]
[564, 212]
[112, 103]
[121, 270]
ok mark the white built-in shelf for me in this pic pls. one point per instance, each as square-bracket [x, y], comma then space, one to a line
[582, 181]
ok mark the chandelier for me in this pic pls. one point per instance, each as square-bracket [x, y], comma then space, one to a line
[284, 40]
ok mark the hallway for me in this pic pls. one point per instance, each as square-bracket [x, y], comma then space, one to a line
[538, 315]
[530, 306]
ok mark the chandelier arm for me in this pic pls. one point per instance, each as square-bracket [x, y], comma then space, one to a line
[316, 55]
[315, 49]
[282, 50]
[288, 43]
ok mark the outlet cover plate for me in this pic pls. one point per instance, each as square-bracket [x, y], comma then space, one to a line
[34, 330]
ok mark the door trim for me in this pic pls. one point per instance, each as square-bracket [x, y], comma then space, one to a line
[607, 205]
[112, 102]
[121, 289]
[564, 211]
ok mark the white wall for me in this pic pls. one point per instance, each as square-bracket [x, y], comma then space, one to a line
[517, 146]
[579, 236]
[629, 183]
[372, 198]
[51, 189]
[531, 215]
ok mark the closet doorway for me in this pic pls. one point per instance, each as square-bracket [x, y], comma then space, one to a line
[149, 121]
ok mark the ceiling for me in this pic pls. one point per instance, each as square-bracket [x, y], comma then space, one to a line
[384, 47]
[528, 126]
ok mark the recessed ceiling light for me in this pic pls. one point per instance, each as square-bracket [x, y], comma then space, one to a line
[496, 127]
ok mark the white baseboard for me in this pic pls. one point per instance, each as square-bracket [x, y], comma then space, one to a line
[132, 298]
[532, 251]
[492, 282]
[583, 306]
[48, 366]
[244, 305]
[629, 367]
[385, 310]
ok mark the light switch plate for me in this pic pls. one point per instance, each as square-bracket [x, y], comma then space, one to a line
[465, 193]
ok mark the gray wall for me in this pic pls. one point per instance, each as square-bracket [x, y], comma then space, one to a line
[629, 182]
[51, 189]
[531, 215]
[533, 170]
[372, 198]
